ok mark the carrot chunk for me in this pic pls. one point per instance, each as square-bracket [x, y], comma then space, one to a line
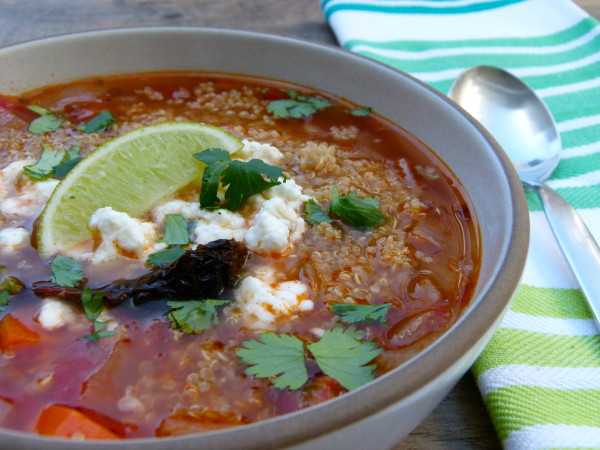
[62, 421]
[13, 333]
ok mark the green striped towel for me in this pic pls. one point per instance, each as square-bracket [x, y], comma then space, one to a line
[540, 373]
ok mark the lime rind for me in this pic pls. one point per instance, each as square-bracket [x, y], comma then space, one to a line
[130, 173]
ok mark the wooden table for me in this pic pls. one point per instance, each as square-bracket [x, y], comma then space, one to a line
[461, 420]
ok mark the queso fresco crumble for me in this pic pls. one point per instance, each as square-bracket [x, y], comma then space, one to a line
[362, 245]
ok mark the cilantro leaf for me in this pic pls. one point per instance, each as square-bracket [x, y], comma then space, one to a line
[297, 106]
[65, 271]
[56, 163]
[92, 302]
[350, 313]
[46, 123]
[43, 168]
[38, 109]
[166, 256]
[361, 112]
[98, 124]
[355, 211]
[280, 356]
[70, 159]
[97, 334]
[176, 232]
[213, 156]
[9, 286]
[4, 295]
[241, 179]
[314, 214]
[194, 316]
[244, 179]
[342, 355]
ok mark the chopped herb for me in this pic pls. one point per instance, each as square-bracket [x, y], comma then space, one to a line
[71, 158]
[355, 211]
[279, 356]
[47, 121]
[44, 167]
[298, 106]
[53, 162]
[166, 256]
[98, 334]
[65, 271]
[342, 354]
[12, 285]
[98, 124]
[314, 214]
[241, 179]
[350, 313]
[38, 109]
[194, 316]
[361, 112]
[93, 303]
[176, 232]
[4, 295]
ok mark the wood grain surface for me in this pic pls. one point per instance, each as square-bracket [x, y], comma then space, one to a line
[461, 420]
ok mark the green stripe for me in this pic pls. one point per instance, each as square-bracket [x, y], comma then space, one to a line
[568, 104]
[577, 165]
[575, 112]
[582, 136]
[553, 303]
[579, 197]
[512, 346]
[576, 31]
[507, 60]
[424, 9]
[515, 407]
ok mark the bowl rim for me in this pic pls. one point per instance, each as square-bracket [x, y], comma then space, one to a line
[418, 371]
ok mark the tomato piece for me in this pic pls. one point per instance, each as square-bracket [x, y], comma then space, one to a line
[62, 421]
[14, 333]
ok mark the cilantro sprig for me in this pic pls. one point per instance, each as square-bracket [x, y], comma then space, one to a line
[166, 256]
[363, 111]
[99, 123]
[341, 354]
[194, 316]
[53, 163]
[65, 271]
[355, 211]
[46, 123]
[297, 106]
[93, 304]
[241, 179]
[176, 232]
[353, 313]
[314, 214]
[349, 208]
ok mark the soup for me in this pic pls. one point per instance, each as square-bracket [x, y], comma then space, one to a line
[358, 249]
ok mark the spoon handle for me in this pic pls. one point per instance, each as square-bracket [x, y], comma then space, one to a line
[576, 242]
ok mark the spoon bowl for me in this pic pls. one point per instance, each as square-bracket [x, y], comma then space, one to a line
[523, 125]
[515, 116]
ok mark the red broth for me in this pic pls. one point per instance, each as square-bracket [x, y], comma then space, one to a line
[151, 380]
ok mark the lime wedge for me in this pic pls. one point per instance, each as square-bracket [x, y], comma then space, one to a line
[131, 174]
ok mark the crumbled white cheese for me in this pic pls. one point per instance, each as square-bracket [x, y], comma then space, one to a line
[274, 228]
[189, 210]
[13, 238]
[31, 195]
[220, 224]
[118, 231]
[55, 314]
[261, 304]
[256, 150]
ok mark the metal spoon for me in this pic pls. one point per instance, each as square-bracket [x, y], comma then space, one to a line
[524, 127]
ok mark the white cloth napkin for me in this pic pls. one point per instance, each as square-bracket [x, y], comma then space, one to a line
[540, 373]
